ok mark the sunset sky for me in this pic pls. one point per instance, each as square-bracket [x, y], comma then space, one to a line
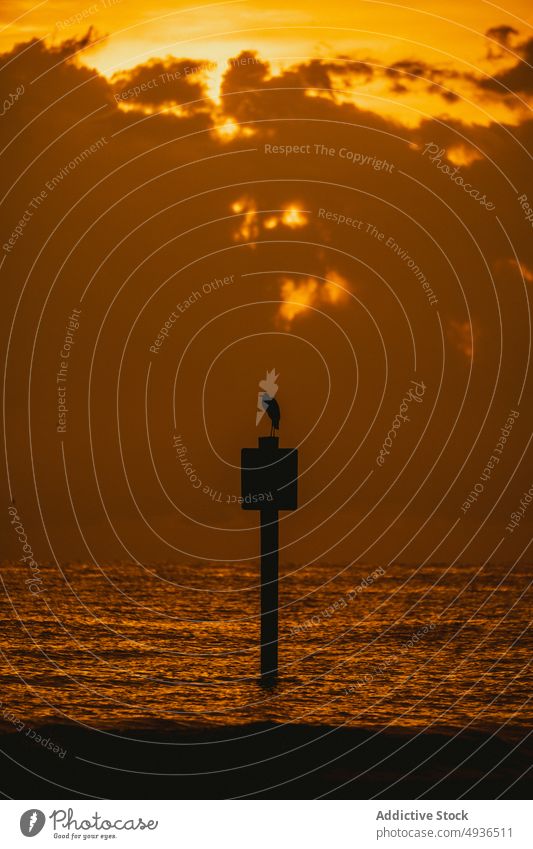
[460, 41]
[240, 142]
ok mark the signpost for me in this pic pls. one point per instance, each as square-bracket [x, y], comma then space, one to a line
[269, 483]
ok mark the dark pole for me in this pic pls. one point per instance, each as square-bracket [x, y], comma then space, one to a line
[269, 483]
[269, 595]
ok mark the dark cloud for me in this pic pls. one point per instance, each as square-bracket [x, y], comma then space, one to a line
[445, 93]
[159, 82]
[245, 69]
[503, 35]
[516, 79]
[410, 68]
[248, 73]
[407, 74]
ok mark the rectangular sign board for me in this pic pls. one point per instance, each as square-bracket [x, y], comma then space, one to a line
[269, 476]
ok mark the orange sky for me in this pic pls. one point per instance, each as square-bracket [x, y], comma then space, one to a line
[327, 211]
[444, 34]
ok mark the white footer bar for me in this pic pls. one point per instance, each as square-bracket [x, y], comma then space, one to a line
[267, 824]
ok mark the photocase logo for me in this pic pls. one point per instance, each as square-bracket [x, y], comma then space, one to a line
[269, 387]
[32, 822]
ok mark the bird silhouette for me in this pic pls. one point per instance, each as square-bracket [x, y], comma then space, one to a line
[273, 412]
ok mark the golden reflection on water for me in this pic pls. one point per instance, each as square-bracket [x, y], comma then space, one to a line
[128, 645]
